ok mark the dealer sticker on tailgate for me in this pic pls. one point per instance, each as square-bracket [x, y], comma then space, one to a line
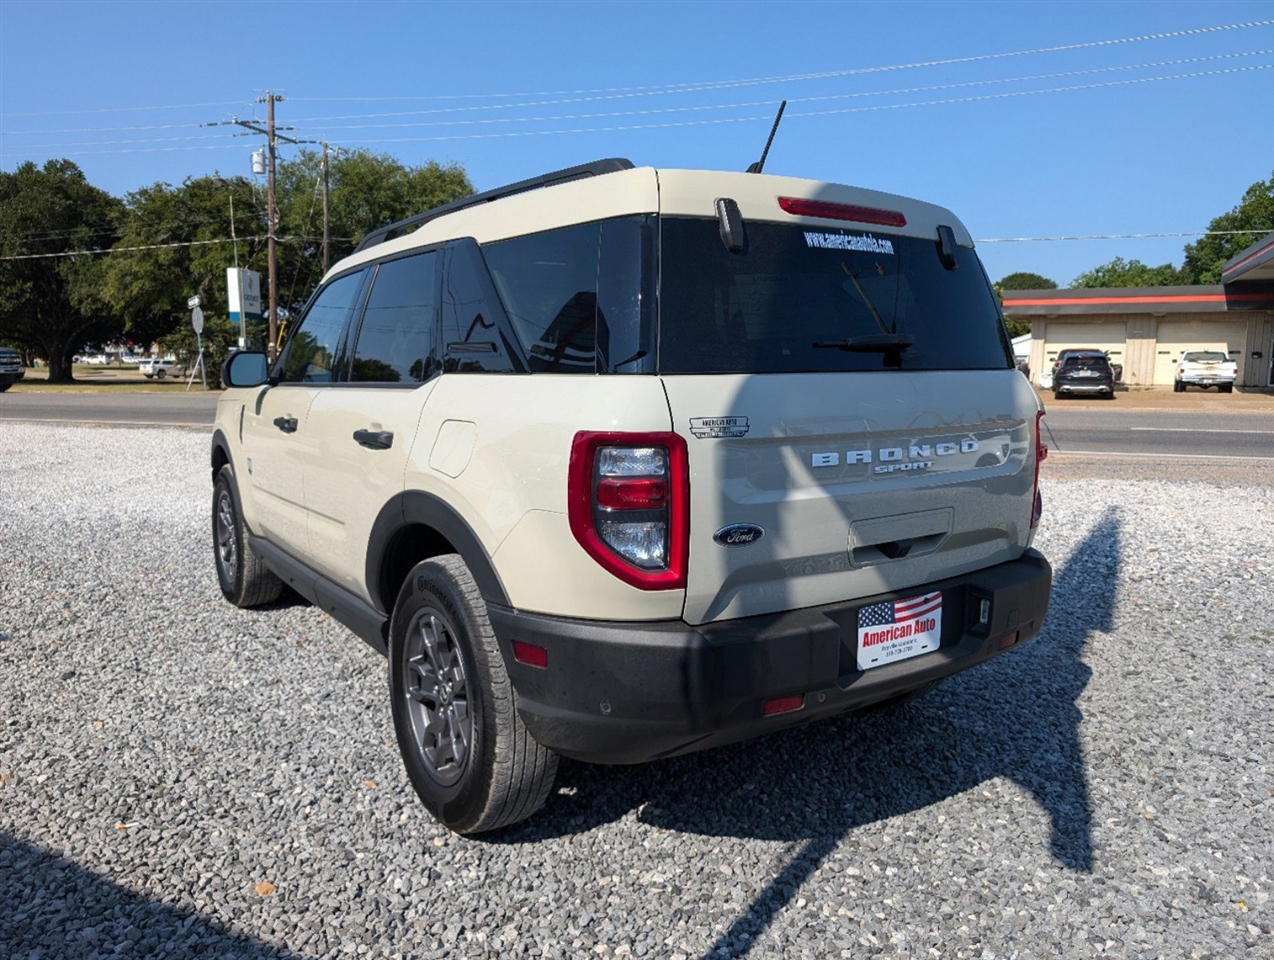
[899, 629]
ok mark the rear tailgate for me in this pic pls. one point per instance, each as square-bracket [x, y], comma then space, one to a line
[863, 482]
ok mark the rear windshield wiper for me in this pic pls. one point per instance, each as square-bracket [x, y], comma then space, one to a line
[878, 343]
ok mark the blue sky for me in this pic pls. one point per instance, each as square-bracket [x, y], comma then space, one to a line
[510, 90]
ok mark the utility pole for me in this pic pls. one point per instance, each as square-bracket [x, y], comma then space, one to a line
[326, 225]
[272, 137]
[272, 215]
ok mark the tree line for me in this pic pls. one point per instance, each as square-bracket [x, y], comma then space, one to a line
[1253, 216]
[94, 268]
[85, 267]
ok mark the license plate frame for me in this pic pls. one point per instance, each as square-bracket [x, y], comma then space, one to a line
[896, 630]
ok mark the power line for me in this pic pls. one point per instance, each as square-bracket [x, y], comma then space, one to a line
[1123, 236]
[706, 122]
[819, 99]
[624, 92]
[302, 237]
[170, 106]
[858, 71]
[663, 110]
[149, 246]
[809, 113]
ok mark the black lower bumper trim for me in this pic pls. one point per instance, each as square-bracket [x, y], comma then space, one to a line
[631, 692]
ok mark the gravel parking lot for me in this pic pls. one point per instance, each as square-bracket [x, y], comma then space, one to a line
[182, 778]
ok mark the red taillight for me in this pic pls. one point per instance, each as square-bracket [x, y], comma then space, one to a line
[530, 654]
[782, 705]
[841, 211]
[1041, 452]
[628, 501]
[632, 493]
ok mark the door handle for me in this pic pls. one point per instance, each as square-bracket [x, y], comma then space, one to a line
[286, 424]
[375, 439]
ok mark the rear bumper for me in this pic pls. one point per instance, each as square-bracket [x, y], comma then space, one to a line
[1084, 386]
[631, 692]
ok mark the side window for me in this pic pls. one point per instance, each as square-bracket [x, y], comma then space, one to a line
[310, 354]
[397, 338]
[548, 284]
[626, 296]
[475, 332]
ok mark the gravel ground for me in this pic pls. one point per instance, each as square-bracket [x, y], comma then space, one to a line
[182, 778]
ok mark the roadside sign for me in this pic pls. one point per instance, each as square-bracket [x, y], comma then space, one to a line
[193, 302]
[196, 318]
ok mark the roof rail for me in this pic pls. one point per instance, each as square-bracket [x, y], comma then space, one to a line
[594, 169]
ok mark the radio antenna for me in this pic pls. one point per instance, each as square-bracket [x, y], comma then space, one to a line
[760, 164]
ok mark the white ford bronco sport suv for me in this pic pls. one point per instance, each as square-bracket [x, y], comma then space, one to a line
[619, 463]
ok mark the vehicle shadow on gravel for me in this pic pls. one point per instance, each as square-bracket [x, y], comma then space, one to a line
[56, 908]
[1015, 717]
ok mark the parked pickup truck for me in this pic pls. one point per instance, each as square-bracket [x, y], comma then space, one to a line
[11, 368]
[1206, 368]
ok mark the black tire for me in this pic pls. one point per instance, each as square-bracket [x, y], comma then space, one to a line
[1178, 386]
[1226, 387]
[1057, 395]
[4, 385]
[466, 751]
[161, 373]
[244, 578]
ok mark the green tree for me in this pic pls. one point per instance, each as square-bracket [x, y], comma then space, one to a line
[1129, 273]
[1021, 281]
[1254, 214]
[1025, 281]
[52, 303]
[187, 244]
[366, 191]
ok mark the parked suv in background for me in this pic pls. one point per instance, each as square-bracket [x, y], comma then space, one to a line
[11, 368]
[620, 463]
[158, 368]
[1084, 372]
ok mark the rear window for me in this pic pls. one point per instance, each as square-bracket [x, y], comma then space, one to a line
[1206, 356]
[762, 310]
[1085, 361]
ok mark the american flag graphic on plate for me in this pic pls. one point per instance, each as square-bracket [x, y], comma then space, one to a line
[898, 629]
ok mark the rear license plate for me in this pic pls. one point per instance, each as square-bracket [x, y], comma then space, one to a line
[899, 629]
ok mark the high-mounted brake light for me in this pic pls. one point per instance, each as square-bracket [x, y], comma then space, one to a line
[628, 501]
[841, 211]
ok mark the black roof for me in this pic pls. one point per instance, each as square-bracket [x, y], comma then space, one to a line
[594, 169]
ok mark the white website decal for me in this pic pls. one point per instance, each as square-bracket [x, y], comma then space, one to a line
[863, 243]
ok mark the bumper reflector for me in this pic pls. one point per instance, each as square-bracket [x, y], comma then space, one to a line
[782, 705]
[530, 654]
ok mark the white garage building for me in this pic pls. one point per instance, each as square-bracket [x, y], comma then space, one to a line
[1147, 329]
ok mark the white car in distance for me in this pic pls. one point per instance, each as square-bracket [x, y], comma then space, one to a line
[158, 369]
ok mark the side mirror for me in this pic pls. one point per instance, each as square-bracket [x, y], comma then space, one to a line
[245, 368]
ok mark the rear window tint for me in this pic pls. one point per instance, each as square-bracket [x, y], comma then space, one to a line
[762, 310]
[1206, 356]
[1072, 363]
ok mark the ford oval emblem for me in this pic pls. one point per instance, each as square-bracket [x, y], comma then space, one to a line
[738, 535]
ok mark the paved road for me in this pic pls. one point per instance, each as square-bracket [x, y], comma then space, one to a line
[1072, 431]
[1158, 433]
[151, 409]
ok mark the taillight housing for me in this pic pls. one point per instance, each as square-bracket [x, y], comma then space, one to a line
[628, 500]
[1041, 452]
